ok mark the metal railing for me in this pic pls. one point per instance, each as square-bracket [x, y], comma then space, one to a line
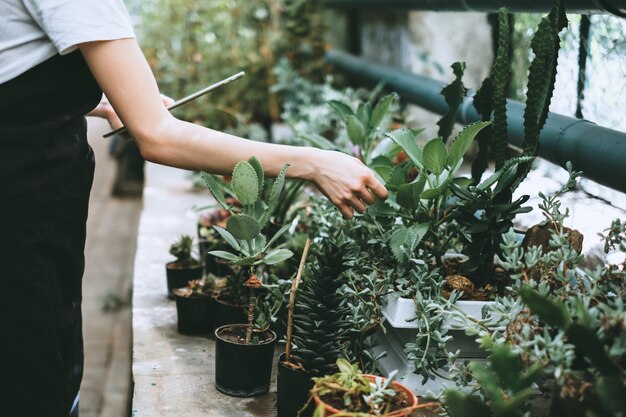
[616, 7]
[597, 151]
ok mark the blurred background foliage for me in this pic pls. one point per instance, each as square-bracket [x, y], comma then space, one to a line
[193, 43]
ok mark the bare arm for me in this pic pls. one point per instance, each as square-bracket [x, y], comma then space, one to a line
[123, 73]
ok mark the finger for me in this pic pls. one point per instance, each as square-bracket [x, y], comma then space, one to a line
[357, 205]
[366, 196]
[377, 188]
[167, 101]
[346, 211]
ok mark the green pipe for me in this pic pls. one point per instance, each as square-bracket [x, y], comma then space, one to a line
[617, 7]
[597, 151]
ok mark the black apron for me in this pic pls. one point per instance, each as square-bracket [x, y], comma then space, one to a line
[46, 172]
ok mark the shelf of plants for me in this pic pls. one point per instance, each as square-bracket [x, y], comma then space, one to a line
[431, 292]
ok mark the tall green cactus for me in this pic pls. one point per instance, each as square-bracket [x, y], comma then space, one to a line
[491, 98]
[454, 94]
[541, 80]
[501, 75]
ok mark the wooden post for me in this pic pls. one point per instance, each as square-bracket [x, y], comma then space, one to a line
[292, 298]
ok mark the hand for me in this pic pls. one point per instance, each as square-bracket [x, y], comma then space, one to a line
[106, 111]
[346, 181]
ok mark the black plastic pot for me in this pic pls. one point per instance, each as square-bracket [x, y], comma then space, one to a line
[179, 277]
[293, 391]
[228, 314]
[195, 314]
[212, 264]
[242, 370]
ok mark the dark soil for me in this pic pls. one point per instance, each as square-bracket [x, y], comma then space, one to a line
[398, 402]
[183, 265]
[459, 282]
[237, 334]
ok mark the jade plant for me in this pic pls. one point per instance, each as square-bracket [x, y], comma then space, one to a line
[251, 249]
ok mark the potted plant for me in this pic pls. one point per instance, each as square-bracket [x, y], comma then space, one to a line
[185, 268]
[317, 331]
[194, 307]
[352, 393]
[244, 352]
[209, 239]
[559, 326]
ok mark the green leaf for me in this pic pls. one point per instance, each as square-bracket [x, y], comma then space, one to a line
[507, 366]
[278, 234]
[228, 237]
[215, 188]
[408, 195]
[224, 255]
[454, 93]
[461, 405]
[243, 227]
[437, 191]
[356, 130]
[363, 113]
[277, 256]
[381, 109]
[550, 311]
[416, 234]
[435, 156]
[278, 185]
[405, 138]
[319, 141]
[343, 110]
[611, 393]
[258, 168]
[463, 141]
[589, 344]
[245, 183]
[383, 166]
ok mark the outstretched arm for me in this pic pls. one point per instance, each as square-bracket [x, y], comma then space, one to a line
[126, 79]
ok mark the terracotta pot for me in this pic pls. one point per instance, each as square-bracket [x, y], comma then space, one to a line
[330, 411]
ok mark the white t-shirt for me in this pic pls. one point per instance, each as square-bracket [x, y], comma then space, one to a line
[32, 31]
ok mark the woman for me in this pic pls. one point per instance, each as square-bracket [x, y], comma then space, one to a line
[56, 59]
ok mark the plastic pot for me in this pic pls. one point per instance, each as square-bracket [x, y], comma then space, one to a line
[212, 264]
[404, 412]
[294, 387]
[195, 314]
[226, 313]
[179, 277]
[243, 370]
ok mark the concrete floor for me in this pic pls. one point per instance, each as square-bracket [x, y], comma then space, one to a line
[110, 252]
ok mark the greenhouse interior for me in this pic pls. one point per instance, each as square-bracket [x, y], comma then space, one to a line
[311, 208]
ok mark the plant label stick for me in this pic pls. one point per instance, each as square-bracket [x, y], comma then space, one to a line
[189, 98]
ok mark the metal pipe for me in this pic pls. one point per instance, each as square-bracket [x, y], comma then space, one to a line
[597, 151]
[617, 7]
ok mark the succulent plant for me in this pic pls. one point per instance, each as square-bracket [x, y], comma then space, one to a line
[182, 249]
[257, 198]
[320, 329]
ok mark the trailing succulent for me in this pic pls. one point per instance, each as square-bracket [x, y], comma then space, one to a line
[320, 329]
[557, 322]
